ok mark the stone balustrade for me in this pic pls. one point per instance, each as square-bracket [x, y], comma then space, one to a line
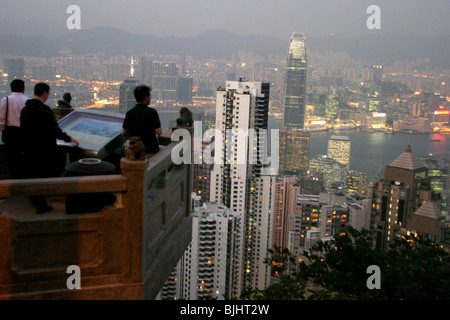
[126, 250]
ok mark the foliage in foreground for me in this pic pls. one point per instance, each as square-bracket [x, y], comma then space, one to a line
[412, 268]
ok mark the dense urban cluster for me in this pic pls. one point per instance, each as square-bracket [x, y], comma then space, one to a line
[240, 211]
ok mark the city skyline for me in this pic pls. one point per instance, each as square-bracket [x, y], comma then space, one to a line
[338, 118]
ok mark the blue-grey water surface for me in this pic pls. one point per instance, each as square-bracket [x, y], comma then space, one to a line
[369, 151]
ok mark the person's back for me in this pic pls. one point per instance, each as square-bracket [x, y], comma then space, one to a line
[10, 109]
[40, 131]
[15, 102]
[143, 121]
[37, 126]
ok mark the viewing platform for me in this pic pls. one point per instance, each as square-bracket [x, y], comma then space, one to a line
[126, 250]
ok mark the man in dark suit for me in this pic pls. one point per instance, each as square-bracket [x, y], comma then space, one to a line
[40, 131]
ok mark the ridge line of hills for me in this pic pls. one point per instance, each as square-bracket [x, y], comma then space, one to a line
[219, 44]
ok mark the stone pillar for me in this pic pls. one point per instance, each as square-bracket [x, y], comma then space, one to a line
[134, 171]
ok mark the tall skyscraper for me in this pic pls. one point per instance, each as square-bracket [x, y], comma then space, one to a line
[182, 61]
[339, 149]
[294, 144]
[295, 96]
[164, 81]
[15, 68]
[185, 84]
[240, 184]
[145, 69]
[126, 94]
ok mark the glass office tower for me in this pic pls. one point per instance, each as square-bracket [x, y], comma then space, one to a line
[294, 141]
[294, 110]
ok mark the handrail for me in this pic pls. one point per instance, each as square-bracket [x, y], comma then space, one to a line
[62, 185]
[160, 161]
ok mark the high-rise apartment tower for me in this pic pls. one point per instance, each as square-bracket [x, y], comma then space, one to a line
[243, 185]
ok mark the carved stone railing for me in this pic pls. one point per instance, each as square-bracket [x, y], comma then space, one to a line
[124, 251]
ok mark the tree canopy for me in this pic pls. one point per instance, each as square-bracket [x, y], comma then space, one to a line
[413, 268]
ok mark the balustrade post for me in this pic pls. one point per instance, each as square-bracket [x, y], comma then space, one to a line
[134, 171]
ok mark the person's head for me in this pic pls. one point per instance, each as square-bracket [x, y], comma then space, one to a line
[142, 94]
[17, 85]
[67, 96]
[42, 91]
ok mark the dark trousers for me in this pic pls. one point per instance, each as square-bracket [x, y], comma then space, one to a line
[15, 160]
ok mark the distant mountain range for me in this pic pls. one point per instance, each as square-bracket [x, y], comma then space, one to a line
[215, 44]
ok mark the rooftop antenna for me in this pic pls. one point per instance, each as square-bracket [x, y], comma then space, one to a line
[132, 67]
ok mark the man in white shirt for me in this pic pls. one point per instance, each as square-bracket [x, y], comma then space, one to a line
[13, 104]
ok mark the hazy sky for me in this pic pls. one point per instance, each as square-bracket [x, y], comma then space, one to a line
[181, 18]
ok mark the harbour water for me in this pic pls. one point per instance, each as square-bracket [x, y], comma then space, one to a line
[369, 150]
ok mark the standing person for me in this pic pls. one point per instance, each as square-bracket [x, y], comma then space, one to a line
[143, 121]
[10, 109]
[40, 131]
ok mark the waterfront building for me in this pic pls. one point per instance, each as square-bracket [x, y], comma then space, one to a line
[378, 120]
[248, 188]
[339, 149]
[412, 125]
